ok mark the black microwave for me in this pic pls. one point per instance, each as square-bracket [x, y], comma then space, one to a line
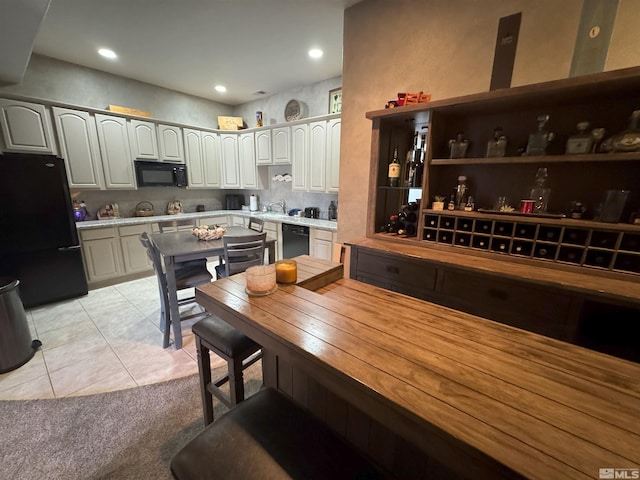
[160, 174]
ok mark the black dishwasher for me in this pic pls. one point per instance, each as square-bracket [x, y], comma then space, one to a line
[295, 240]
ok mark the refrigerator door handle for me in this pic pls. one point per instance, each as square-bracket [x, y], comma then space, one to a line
[73, 247]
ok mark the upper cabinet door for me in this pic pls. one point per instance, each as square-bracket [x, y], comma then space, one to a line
[78, 139]
[247, 160]
[26, 127]
[144, 143]
[230, 163]
[299, 156]
[317, 156]
[281, 146]
[195, 166]
[170, 140]
[212, 158]
[115, 151]
[263, 147]
[334, 129]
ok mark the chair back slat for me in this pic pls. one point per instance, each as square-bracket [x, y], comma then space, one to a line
[154, 255]
[256, 224]
[243, 252]
[168, 225]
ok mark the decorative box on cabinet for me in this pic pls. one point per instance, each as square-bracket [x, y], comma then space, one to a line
[26, 127]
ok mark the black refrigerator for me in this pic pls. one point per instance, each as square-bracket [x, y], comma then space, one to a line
[38, 238]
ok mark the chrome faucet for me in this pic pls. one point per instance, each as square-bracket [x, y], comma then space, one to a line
[280, 203]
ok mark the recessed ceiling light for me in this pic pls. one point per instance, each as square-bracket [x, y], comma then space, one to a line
[107, 53]
[315, 53]
[220, 88]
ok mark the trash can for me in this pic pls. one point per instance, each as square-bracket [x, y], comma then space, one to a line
[16, 346]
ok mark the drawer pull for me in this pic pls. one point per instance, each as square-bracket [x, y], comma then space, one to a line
[393, 269]
[499, 294]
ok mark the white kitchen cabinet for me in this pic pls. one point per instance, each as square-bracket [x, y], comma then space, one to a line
[247, 159]
[101, 252]
[321, 243]
[134, 254]
[194, 158]
[115, 152]
[238, 221]
[317, 156]
[334, 129]
[170, 144]
[263, 147]
[26, 127]
[281, 146]
[299, 157]
[230, 162]
[78, 139]
[143, 140]
[203, 157]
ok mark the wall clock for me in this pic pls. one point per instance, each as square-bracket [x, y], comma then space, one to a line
[292, 111]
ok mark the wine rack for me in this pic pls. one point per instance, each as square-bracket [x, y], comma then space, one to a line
[572, 243]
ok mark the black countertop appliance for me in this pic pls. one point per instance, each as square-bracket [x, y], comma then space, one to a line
[234, 201]
[312, 212]
[39, 244]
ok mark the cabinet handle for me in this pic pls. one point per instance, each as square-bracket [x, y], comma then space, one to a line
[393, 269]
[499, 294]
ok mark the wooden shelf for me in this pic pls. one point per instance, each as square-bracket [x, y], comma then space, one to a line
[594, 157]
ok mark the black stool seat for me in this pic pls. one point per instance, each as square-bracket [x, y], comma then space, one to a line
[268, 436]
[216, 335]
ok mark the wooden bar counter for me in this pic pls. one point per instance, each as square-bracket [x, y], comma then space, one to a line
[434, 390]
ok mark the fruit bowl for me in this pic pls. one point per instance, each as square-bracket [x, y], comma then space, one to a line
[209, 232]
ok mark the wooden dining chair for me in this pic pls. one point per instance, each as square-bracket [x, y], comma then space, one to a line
[256, 224]
[187, 276]
[240, 253]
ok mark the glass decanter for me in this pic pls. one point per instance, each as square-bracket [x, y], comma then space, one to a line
[629, 140]
[498, 146]
[540, 193]
[582, 142]
[539, 141]
[458, 146]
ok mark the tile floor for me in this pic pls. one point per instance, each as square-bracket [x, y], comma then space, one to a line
[107, 340]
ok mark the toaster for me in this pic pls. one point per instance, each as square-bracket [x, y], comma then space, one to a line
[312, 212]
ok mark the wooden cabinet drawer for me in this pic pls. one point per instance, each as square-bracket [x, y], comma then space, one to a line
[97, 233]
[135, 229]
[514, 303]
[324, 234]
[412, 277]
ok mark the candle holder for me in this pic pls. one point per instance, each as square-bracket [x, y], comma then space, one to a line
[286, 271]
[261, 280]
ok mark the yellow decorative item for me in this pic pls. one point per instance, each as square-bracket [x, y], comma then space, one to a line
[286, 271]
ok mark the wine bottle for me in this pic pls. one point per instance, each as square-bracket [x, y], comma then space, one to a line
[394, 169]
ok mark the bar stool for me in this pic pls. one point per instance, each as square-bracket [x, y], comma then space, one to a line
[215, 335]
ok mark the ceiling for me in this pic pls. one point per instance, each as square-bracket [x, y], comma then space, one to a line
[191, 45]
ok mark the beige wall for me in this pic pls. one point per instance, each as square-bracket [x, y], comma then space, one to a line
[445, 47]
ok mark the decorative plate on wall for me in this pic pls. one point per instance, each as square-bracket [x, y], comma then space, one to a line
[292, 111]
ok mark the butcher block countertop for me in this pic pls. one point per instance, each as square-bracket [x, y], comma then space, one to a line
[537, 407]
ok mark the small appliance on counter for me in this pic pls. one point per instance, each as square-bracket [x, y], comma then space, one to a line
[312, 212]
[174, 207]
[80, 212]
[234, 201]
[110, 210]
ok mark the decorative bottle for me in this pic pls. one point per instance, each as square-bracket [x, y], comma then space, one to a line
[540, 193]
[333, 211]
[461, 192]
[394, 169]
[538, 141]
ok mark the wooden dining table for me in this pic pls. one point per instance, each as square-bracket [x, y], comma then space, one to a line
[176, 247]
[437, 390]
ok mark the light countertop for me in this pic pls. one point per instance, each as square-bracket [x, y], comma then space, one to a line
[268, 216]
